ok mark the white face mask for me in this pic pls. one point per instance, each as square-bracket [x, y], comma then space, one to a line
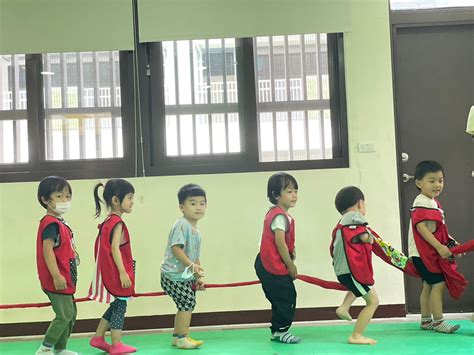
[188, 272]
[62, 207]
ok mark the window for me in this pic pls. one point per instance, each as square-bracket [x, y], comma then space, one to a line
[294, 114]
[82, 118]
[74, 121]
[245, 104]
[428, 4]
[13, 115]
[201, 101]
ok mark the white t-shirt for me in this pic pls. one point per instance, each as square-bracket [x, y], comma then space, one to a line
[420, 201]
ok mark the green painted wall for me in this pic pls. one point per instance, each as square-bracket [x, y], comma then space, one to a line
[237, 203]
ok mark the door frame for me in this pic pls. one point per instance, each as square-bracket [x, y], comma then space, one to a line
[416, 18]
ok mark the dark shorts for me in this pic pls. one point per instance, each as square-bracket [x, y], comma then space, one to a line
[426, 275]
[353, 285]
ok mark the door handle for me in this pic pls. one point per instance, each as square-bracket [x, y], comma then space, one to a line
[407, 177]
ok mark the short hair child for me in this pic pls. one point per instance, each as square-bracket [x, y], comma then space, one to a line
[428, 241]
[274, 263]
[57, 261]
[181, 271]
[351, 243]
[114, 275]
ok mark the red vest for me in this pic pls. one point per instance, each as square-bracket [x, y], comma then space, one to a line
[103, 248]
[271, 259]
[359, 255]
[455, 282]
[64, 253]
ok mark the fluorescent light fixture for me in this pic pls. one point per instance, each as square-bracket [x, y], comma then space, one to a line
[47, 73]
[470, 122]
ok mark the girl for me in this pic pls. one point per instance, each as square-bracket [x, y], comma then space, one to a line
[275, 263]
[114, 276]
[57, 262]
[181, 272]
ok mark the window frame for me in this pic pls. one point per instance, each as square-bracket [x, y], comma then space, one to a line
[153, 118]
[38, 167]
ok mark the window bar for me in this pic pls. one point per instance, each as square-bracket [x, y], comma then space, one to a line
[226, 122]
[95, 66]
[15, 82]
[115, 136]
[98, 132]
[275, 146]
[320, 84]
[176, 77]
[80, 86]
[47, 81]
[224, 74]
[191, 63]
[2, 153]
[178, 132]
[113, 85]
[49, 140]
[16, 141]
[64, 102]
[272, 70]
[211, 142]
[305, 94]
[208, 72]
[288, 96]
[82, 138]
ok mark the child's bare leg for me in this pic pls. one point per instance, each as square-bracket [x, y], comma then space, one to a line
[182, 322]
[116, 335]
[102, 328]
[364, 318]
[436, 304]
[343, 310]
[426, 320]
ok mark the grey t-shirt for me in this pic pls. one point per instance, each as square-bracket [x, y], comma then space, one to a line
[340, 264]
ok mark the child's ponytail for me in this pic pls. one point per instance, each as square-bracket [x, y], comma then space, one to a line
[97, 199]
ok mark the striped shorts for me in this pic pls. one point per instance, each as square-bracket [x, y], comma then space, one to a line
[181, 292]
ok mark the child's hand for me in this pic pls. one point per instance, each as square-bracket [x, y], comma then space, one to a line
[200, 284]
[198, 271]
[293, 256]
[443, 251]
[60, 282]
[125, 280]
[293, 271]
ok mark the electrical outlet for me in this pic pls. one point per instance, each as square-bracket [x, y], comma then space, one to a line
[366, 147]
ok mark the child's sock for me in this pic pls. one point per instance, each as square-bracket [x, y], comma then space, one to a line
[43, 349]
[442, 326]
[174, 339]
[99, 343]
[426, 323]
[285, 337]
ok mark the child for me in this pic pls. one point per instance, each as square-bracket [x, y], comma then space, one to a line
[351, 250]
[114, 276]
[274, 264]
[181, 271]
[427, 246]
[57, 261]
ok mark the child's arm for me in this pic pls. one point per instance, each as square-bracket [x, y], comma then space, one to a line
[50, 259]
[179, 254]
[116, 239]
[366, 238]
[441, 249]
[284, 253]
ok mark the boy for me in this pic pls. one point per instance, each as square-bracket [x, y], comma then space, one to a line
[351, 250]
[427, 246]
[181, 271]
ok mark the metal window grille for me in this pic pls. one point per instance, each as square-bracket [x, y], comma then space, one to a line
[293, 106]
[82, 116]
[201, 97]
[13, 114]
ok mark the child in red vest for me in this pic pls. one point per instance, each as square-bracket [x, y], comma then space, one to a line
[274, 264]
[428, 246]
[57, 261]
[351, 250]
[114, 276]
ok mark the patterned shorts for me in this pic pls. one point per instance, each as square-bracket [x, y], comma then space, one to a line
[181, 292]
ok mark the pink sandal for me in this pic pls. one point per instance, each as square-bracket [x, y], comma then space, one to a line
[100, 343]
